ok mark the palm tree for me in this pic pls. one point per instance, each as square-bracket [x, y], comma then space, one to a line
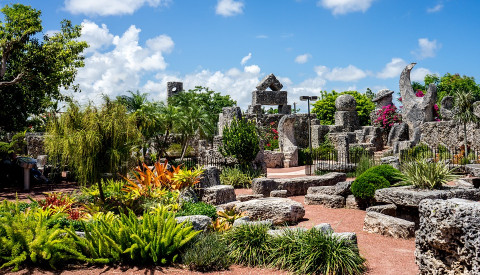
[193, 121]
[464, 112]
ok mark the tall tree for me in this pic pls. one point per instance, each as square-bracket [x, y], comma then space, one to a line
[449, 84]
[32, 70]
[464, 112]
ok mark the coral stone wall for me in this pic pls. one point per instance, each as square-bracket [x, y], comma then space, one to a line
[449, 134]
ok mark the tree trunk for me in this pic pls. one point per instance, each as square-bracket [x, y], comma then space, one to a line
[184, 148]
[465, 139]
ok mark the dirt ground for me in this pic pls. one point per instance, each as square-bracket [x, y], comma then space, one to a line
[384, 255]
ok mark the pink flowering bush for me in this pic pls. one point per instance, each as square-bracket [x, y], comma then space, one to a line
[271, 137]
[386, 117]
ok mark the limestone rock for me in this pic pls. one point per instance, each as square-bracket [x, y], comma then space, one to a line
[324, 227]
[387, 209]
[249, 197]
[350, 236]
[269, 98]
[279, 210]
[270, 81]
[188, 195]
[476, 108]
[281, 232]
[352, 203]
[383, 98]
[199, 222]
[219, 194]
[340, 189]
[399, 132]
[411, 197]
[246, 220]
[279, 193]
[226, 117]
[446, 108]
[295, 186]
[394, 161]
[345, 103]
[330, 201]
[448, 238]
[273, 159]
[389, 226]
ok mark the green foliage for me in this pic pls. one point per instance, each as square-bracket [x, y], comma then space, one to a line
[236, 177]
[248, 244]
[418, 151]
[391, 174]
[241, 141]
[315, 252]
[365, 185]
[364, 163]
[17, 145]
[27, 239]
[422, 173]
[208, 252]
[326, 151]
[325, 109]
[154, 239]
[35, 70]
[448, 84]
[464, 112]
[175, 150]
[92, 141]
[197, 208]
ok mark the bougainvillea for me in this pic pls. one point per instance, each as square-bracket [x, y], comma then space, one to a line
[386, 117]
[271, 137]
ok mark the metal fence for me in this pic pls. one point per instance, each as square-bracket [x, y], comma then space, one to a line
[454, 157]
[334, 161]
[191, 162]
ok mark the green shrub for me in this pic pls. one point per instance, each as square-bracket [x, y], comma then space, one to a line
[365, 185]
[391, 174]
[26, 239]
[314, 252]
[248, 244]
[235, 177]
[64, 222]
[241, 141]
[208, 252]
[197, 208]
[425, 174]
[156, 238]
[356, 153]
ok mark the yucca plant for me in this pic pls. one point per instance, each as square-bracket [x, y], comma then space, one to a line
[422, 173]
[154, 239]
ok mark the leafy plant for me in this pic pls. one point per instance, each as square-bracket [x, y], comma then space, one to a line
[226, 219]
[197, 208]
[236, 177]
[270, 136]
[463, 113]
[187, 178]
[364, 163]
[391, 174]
[241, 141]
[365, 185]
[208, 252]
[60, 202]
[315, 252]
[248, 244]
[156, 238]
[386, 117]
[426, 174]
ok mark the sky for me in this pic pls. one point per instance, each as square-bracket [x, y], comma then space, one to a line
[230, 45]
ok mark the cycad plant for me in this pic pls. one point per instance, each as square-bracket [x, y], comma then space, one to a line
[464, 112]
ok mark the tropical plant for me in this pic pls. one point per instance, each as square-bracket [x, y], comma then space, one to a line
[236, 177]
[226, 219]
[156, 238]
[386, 117]
[270, 137]
[187, 178]
[325, 108]
[33, 70]
[16, 145]
[27, 238]
[207, 252]
[315, 252]
[463, 112]
[422, 173]
[448, 84]
[391, 174]
[59, 202]
[241, 141]
[248, 244]
[92, 141]
[364, 163]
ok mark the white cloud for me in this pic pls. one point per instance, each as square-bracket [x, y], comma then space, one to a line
[345, 6]
[120, 69]
[109, 7]
[426, 48]
[302, 59]
[349, 73]
[246, 58]
[437, 8]
[262, 36]
[253, 69]
[393, 68]
[229, 7]
[419, 74]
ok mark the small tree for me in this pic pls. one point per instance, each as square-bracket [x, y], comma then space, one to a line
[464, 112]
[241, 141]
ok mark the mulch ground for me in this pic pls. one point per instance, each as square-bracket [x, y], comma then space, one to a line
[385, 255]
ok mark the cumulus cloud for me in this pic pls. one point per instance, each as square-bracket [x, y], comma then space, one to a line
[302, 59]
[246, 58]
[437, 8]
[426, 48]
[393, 68]
[120, 69]
[349, 73]
[345, 6]
[109, 7]
[419, 74]
[253, 69]
[229, 8]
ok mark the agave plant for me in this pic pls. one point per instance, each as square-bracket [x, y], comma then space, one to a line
[422, 173]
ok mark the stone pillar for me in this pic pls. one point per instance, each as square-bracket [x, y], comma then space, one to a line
[346, 114]
[225, 118]
[174, 88]
[343, 146]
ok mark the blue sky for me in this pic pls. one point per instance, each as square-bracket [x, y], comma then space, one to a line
[230, 45]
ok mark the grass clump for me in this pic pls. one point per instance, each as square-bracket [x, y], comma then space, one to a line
[428, 175]
[197, 208]
[248, 244]
[236, 177]
[208, 252]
